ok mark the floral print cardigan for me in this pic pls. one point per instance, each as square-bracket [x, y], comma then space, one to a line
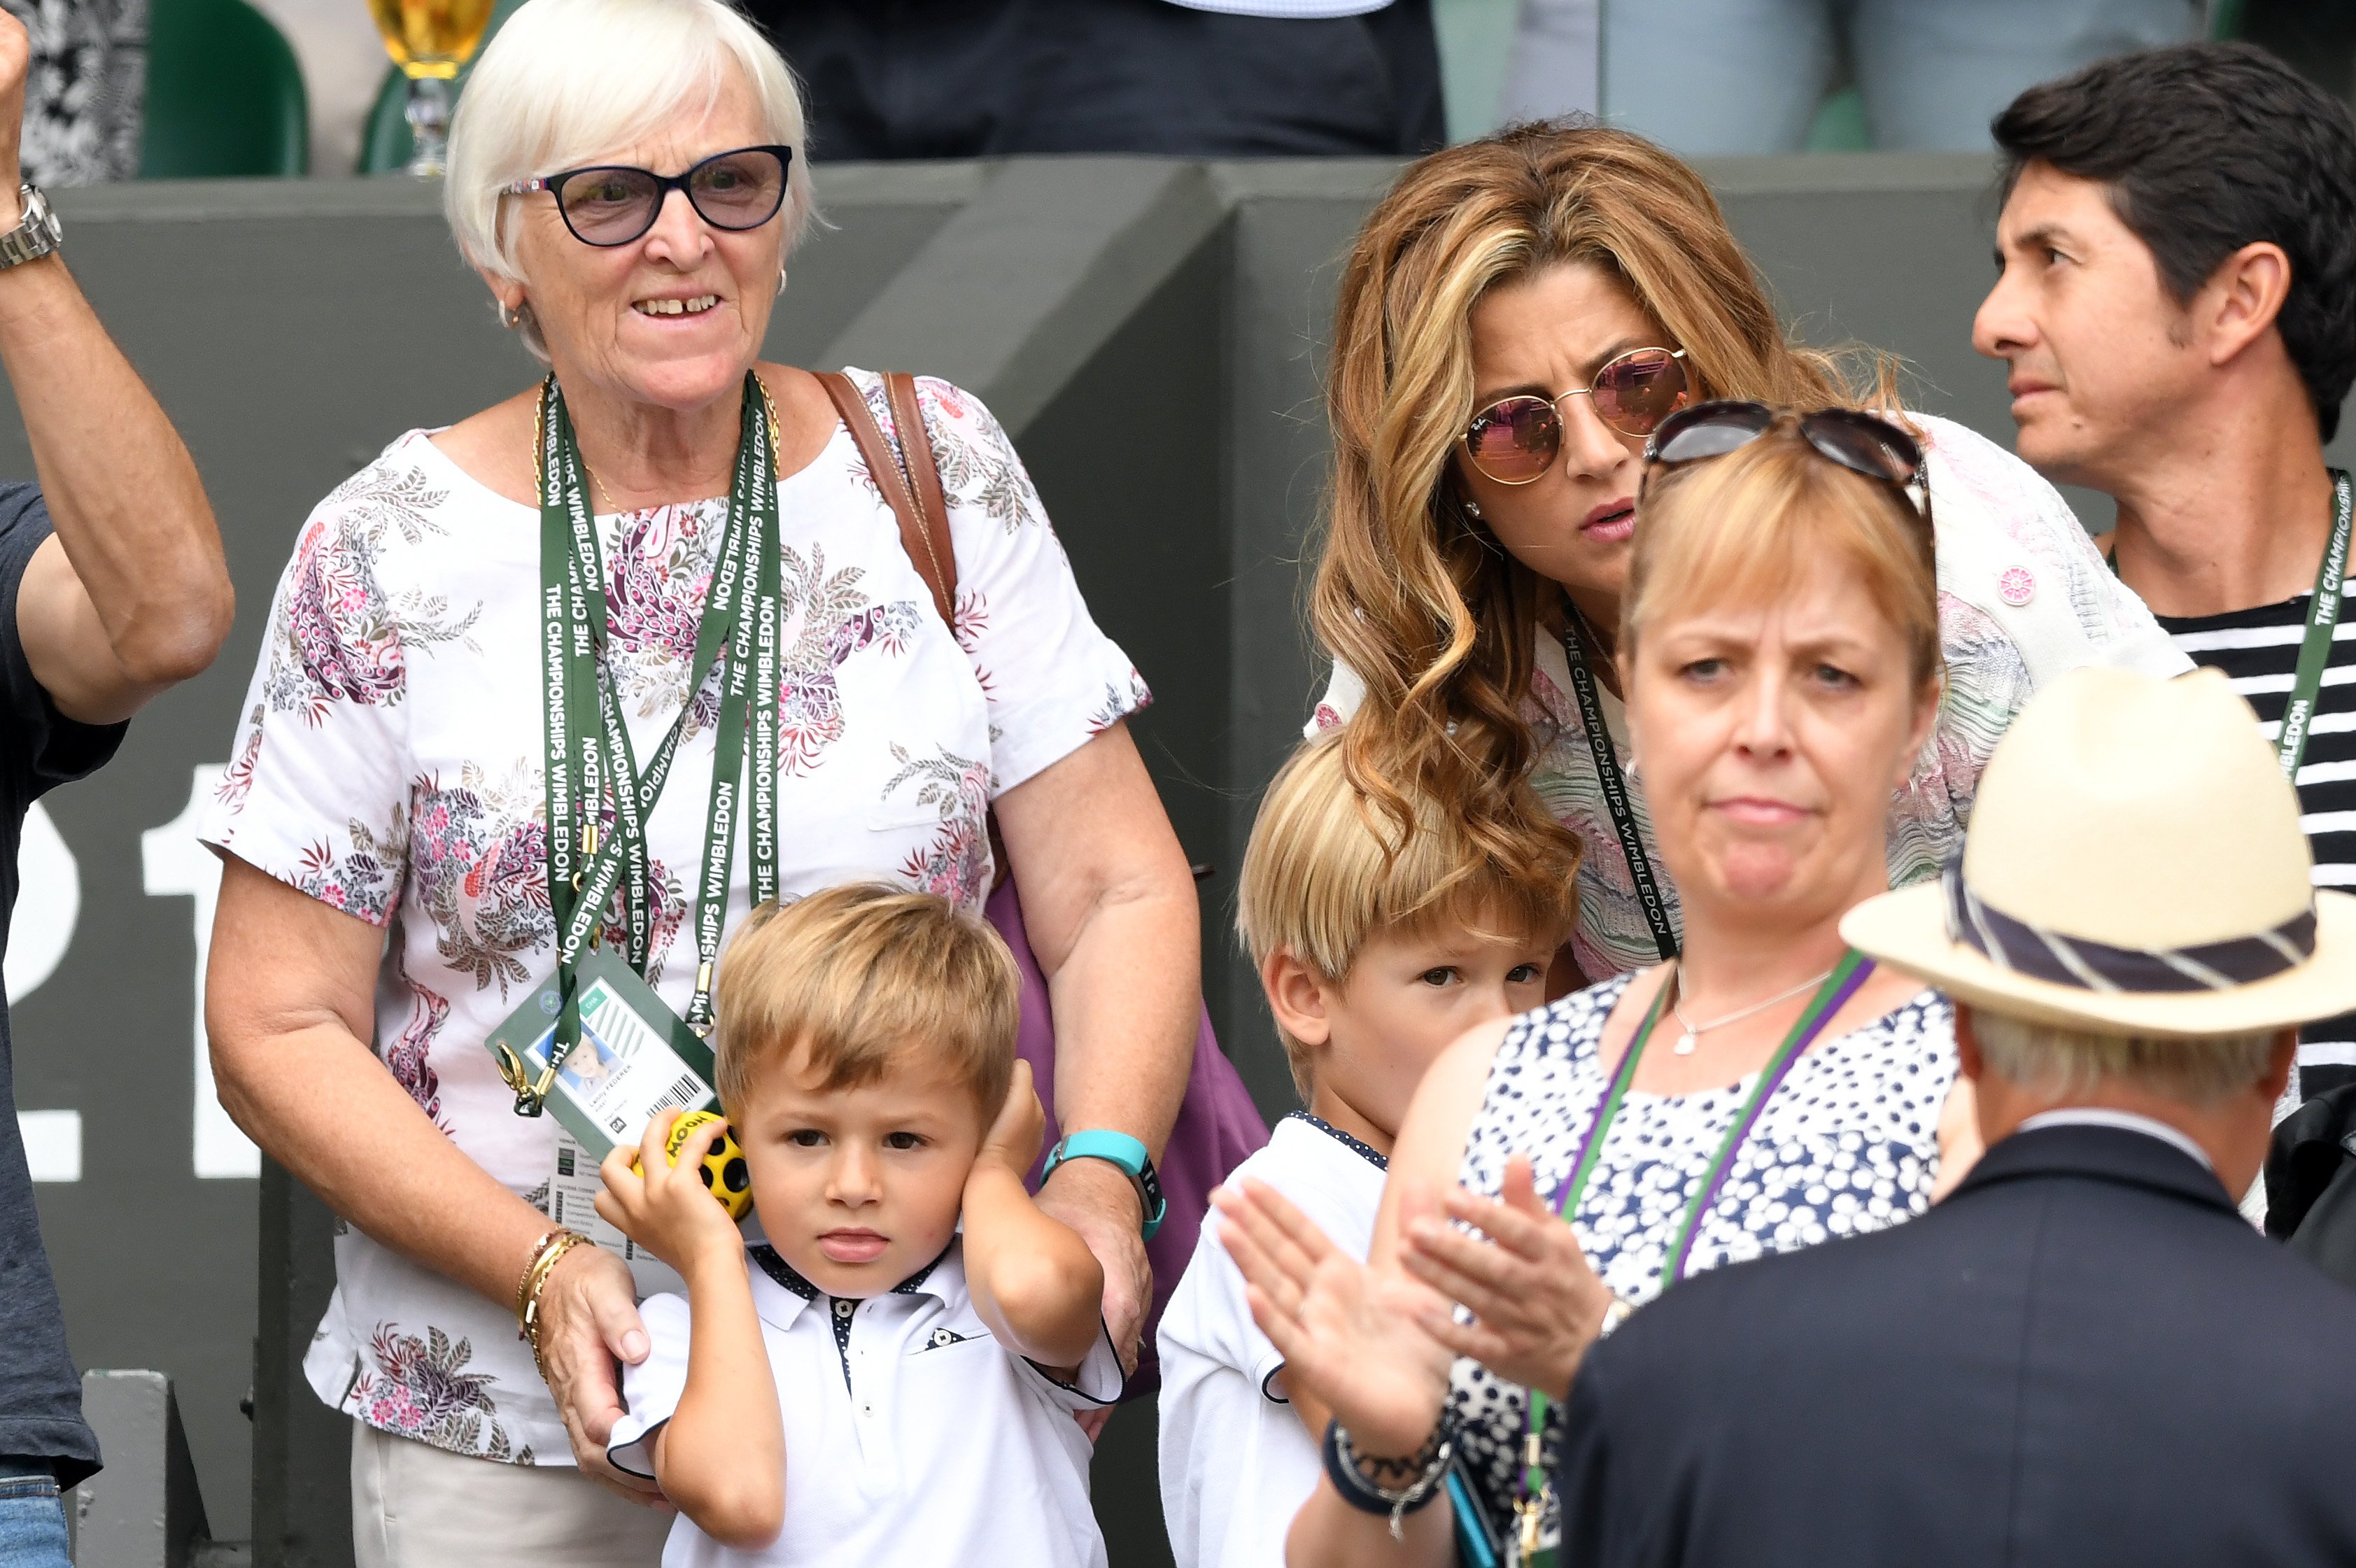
[389, 764]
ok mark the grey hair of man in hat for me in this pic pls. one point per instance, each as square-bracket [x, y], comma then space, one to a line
[2131, 929]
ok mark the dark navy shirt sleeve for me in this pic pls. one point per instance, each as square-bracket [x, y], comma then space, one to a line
[40, 1393]
[45, 748]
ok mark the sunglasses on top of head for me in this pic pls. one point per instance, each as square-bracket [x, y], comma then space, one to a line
[612, 204]
[1515, 440]
[1860, 442]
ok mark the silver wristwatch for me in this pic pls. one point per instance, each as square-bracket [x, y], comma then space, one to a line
[37, 236]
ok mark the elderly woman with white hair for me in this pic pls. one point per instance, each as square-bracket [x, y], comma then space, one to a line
[432, 790]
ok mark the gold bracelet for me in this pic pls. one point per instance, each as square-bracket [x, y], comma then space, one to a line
[535, 1281]
[523, 1281]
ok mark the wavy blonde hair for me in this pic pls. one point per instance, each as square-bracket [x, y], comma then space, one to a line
[1746, 529]
[1412, 594]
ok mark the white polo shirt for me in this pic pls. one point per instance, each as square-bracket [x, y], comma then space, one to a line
[1237, 1464]
[910, 1434]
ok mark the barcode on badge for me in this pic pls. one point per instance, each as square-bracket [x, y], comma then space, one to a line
[687, 1091]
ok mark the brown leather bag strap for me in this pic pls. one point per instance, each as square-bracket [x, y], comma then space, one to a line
[915, 498]
[916, 458]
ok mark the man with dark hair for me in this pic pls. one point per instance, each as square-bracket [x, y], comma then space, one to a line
[2177, 303]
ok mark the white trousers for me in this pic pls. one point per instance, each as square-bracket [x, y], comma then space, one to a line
[416, 1506]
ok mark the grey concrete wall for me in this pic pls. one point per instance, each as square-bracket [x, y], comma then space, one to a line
[1153, 336]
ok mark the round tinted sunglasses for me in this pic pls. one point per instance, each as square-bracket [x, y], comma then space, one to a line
[1515, 440]
[1860, 442]
[612, 204]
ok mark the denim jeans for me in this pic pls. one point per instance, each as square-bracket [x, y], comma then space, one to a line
[32, 1519]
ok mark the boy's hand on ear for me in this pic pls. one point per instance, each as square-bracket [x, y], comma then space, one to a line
[666, 1208]
[1013, 1138]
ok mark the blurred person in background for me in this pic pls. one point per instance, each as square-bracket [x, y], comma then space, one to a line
[1708, 77]
[1554, 67]
[2177, 302]
[628, 178]
[81, 121]
[112, 587]
[968, 79]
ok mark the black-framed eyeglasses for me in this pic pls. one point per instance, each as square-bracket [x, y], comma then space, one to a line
[1860, 442]
[612, 204]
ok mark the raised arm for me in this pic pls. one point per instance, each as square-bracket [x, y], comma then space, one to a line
[131, 595]
[1033, 1280]
[1109, 906]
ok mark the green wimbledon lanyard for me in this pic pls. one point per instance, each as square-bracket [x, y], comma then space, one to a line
[589, 762]
[1854, 969]
[2315, 648]
[2322, 625]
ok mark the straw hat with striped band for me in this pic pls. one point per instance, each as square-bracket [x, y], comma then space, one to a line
[2135, 867]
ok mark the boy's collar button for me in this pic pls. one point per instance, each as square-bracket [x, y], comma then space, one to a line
[845, 1308]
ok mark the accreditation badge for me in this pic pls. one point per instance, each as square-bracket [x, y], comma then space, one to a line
[636, 1061]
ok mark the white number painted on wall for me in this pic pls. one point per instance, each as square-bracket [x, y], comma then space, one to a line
[174, 864]
[49, 902]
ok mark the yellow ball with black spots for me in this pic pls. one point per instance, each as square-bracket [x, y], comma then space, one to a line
[724, 1170]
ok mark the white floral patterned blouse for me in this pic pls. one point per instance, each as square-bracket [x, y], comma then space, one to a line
[389, 764]
[2023, 596]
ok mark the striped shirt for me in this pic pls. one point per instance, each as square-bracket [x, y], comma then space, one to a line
[2258, 651]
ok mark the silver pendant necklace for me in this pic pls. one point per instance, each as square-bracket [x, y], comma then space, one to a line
[1690, 1041]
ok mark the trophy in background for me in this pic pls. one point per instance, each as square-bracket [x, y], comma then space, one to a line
[429, 40]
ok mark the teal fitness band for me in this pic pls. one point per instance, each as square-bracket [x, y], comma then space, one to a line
[1120, 1150]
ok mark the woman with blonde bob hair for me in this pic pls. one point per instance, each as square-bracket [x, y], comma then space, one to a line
[582, 679]
[1779, 642]
[1516, 317]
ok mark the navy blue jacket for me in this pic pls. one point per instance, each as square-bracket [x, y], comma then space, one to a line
[2083, 1357]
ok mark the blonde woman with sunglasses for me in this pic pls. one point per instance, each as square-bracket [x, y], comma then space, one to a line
[1516, 318]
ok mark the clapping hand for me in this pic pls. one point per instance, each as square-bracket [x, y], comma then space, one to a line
[1351, 1337]
[1535, 1301]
